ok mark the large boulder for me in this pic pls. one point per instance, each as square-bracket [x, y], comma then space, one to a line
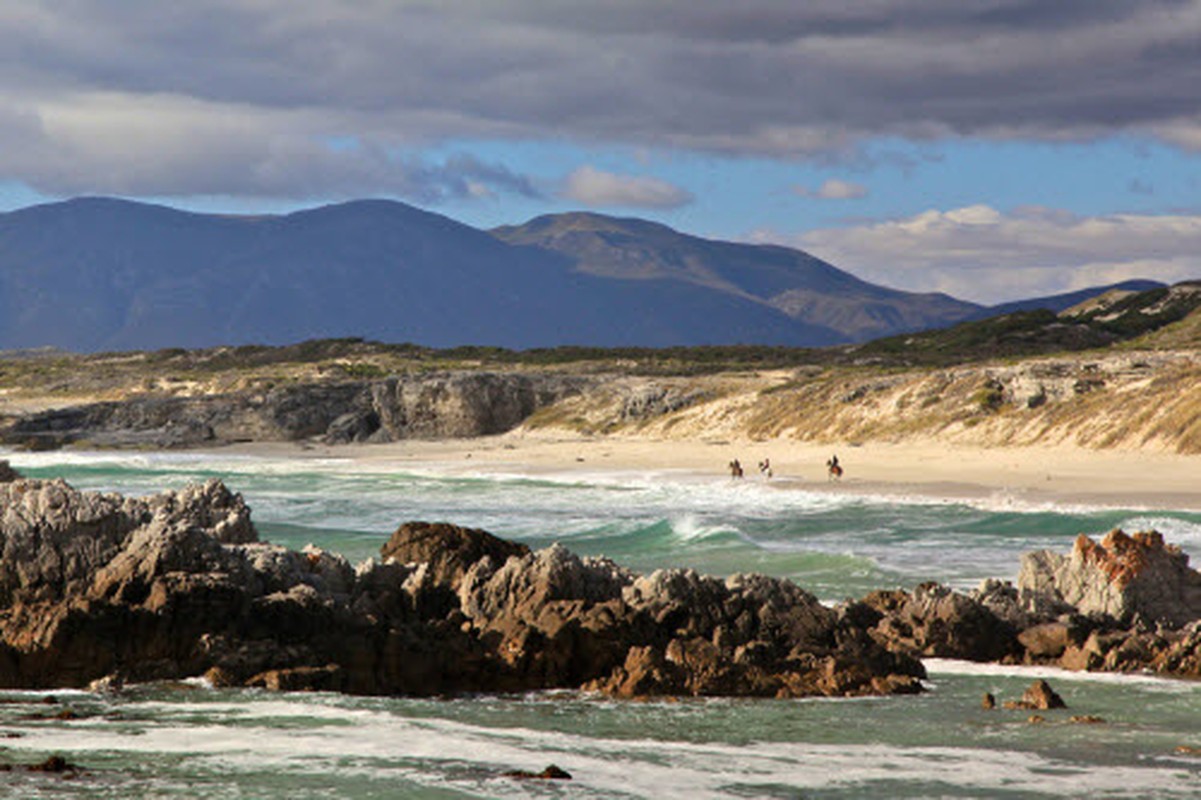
[7, 473]
[936, 621]
[1123, 577]
[449, 550]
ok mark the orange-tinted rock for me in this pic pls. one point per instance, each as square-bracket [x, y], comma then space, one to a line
[1124, 577]
[1039, 696]
[1120, 556]
[300, 679]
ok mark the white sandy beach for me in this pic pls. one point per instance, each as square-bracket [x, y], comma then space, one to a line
[1058, 475]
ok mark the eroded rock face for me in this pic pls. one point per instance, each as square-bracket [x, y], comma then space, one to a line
[1124, 605]
[451, 404]
[93, 584]
[936, 621]
[1123, 577]
[463, 403]
[175, 585]
[448, 550]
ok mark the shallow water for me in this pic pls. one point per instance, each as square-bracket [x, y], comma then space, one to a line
[189, 741]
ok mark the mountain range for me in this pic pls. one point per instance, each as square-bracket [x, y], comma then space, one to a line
[95, 274]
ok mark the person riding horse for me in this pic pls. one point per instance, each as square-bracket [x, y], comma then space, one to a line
[834, 469]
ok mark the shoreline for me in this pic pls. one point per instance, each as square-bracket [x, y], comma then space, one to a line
[1054, 476]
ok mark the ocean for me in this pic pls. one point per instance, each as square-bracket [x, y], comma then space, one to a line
[189, 740]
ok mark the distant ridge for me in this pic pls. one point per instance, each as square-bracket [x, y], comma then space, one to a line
[94, 274]
[1062, 302]
[101, 274]
[791, 281]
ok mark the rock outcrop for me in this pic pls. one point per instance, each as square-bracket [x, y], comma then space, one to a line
[1122, 576]
[99, 587]
[936, 621]
[1127, 604]
[176, 585]
[1039, 696]
[451, 404]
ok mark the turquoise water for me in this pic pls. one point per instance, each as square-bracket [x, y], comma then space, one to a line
[190, 741]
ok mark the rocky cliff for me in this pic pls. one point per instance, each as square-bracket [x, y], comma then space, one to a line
[437, 405]
[177, 585]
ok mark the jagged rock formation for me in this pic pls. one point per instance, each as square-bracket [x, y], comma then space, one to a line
[1039, 696]
[455, 404]
[1122, 576]
[935, 621]
[98, 586]
[1126, 604]
[178, 584]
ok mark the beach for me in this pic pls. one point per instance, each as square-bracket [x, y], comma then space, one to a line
[924, 468]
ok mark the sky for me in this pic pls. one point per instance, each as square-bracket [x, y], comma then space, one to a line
[990, 149]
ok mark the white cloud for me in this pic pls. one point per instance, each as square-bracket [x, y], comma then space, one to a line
[834, 189]
[979, 253]
[597, 188]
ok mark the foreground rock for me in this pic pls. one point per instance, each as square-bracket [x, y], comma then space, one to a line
[1129, 603]
[98, 587]
[936, 621]
[177, 585]
[551, 773]
[1122, 576]
[53, 764]
[1038, 697]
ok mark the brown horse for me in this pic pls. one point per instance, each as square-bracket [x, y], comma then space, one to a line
[834, 471]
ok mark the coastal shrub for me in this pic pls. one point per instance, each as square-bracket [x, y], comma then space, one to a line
[363, 370]
[990, 397]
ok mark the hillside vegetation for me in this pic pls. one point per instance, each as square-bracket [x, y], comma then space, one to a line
[1119, 370]
[1118, 400]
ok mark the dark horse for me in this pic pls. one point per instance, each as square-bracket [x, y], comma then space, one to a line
[834, 470]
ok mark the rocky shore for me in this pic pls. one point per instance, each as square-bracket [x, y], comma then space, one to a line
[1129, 603]
[99, 587]
[434, 405]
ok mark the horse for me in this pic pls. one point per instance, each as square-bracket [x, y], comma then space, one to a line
[834, 471]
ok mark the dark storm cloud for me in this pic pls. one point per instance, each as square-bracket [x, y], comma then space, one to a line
[252, 91]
